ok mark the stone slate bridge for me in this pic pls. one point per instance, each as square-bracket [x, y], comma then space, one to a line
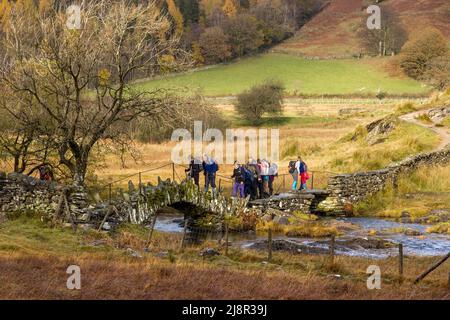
[22, 193]
[139, 204]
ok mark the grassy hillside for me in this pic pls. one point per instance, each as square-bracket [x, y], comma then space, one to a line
[332, 33]
[300, 76]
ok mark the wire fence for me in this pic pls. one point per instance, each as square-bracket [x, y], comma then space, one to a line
[325, 100]
[223, 239]
[170, 171]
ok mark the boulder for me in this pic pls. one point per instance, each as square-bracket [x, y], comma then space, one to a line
[209, 252]
[274, 212]
[405, 214]
[438, 114]
[365, 243]
[133, 253]
[412, 232]
[281, 220]
[380, 129]
[106, 226]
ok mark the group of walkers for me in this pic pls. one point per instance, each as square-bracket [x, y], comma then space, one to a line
[254, 179]
[209, 167]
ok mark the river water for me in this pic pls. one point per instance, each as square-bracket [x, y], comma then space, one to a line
[425, 245]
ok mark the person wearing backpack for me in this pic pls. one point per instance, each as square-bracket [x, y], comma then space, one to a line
[294, 173]
[248, 181]
[260, 181]
[239, 181]
[42, 172]
[252, 167]
[210, 167]
[304, 176]
[195, 167]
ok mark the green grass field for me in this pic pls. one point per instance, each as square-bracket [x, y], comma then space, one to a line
[300, 76]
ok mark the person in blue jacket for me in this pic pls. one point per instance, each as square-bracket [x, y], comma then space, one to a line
[210, 168]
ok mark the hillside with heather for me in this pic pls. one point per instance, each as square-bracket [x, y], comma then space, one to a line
[334, 31]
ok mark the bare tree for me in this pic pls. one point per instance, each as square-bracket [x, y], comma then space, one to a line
[387, 40]
[79, 81]
[18, 142]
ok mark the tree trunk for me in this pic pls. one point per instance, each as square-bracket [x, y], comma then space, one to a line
[79, 175]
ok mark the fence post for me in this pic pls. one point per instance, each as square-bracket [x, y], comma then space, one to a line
[312, 180]
[150, 233]
[110, 193]
[184, 235]
[400, 261]
[220, 183]
[173, 172]
[332, 246]
[269, 245]
[432, 268]
[140, 183]
[226, 238]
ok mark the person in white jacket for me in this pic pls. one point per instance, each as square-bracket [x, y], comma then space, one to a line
[273, 172]
[265, 166]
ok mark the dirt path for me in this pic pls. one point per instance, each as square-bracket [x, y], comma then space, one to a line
[443, 132]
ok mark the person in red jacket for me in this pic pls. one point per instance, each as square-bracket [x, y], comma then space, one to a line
[304, 176]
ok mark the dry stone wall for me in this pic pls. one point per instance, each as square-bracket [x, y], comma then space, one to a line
[348, 189]
[21, 193]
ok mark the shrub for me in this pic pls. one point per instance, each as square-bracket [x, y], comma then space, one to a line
[424, 118]
[417, 53]
[265, 98]
[406, 108]
[381, 95]
[437, 73]
[446, 122]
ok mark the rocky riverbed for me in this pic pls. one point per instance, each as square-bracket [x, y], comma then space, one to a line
[364, 237]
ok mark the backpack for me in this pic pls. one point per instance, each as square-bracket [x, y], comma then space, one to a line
[292, 166]
[264, 168]
[254, 172]
[248, 175]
